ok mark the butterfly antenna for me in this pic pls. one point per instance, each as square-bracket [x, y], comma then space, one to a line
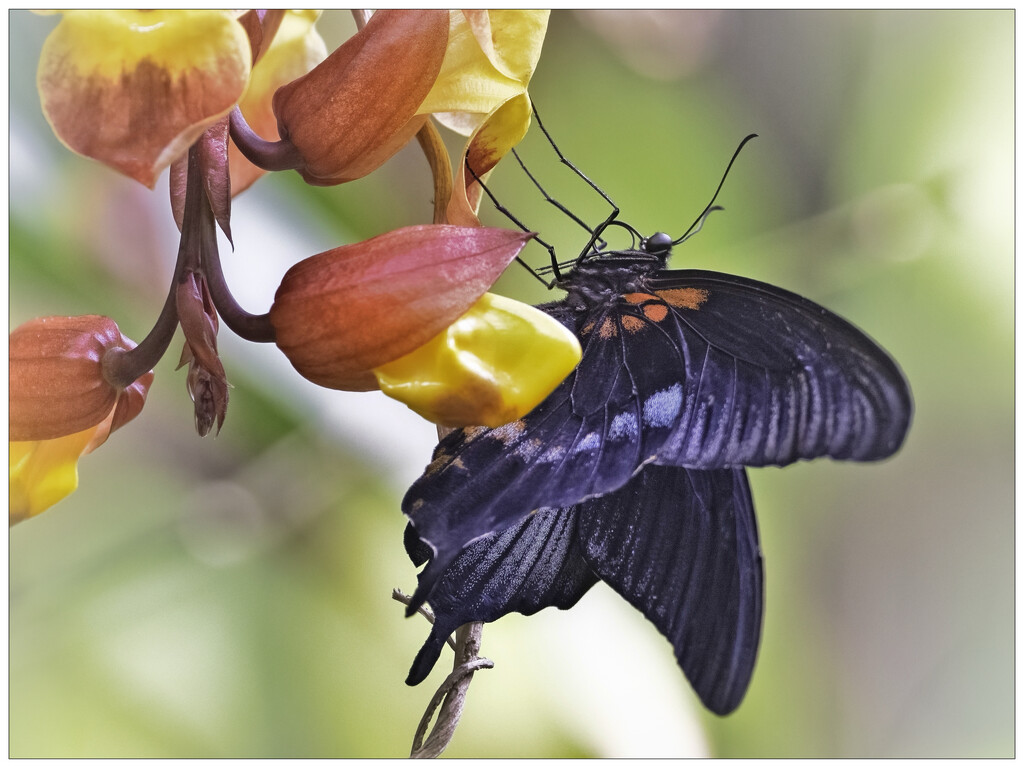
[511, 217]
[595, 234]
[552, 200]
[699, 222]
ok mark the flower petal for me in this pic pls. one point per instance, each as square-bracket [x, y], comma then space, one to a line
[296, 49]
[129, 405]
[134, 89]
[44, 472]
[261, 26]
[57, 385]
[479, 79]
[357, 108]
[491, 366]
[516, 39]
[343, 312]
[492, 140]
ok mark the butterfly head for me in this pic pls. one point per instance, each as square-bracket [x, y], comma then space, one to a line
[659, 244]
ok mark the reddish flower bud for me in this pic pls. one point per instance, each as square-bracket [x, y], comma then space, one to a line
[358, 107]
[57, 384]
[342, 313]
[207, 382]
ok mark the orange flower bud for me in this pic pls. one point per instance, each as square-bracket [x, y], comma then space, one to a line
[57, 386]
[357, 108]
[342, 313]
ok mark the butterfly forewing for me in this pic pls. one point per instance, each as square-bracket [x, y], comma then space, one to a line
[771, 377]
[681, 368]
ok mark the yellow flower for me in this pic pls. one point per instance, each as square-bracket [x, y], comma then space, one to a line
[342, 313]
[61, 404]
[360, 106]
[481, 92]
[134, 89]
[44, 471]
[491, 366]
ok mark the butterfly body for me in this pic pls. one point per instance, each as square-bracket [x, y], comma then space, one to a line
[603, 276]
[631, 471]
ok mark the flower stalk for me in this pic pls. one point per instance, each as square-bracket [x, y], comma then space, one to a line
[278, 155]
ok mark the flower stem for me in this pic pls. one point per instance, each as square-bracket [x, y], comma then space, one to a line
[268, 155]
[361, 17]
[250, 327]
[440, 167]
[121, 367]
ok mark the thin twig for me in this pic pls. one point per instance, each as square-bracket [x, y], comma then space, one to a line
[451, 696]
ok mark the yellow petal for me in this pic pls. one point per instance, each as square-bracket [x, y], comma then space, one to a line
[516, 38]
[476, 80]
[491, 366]
[134, 89]
[498, 133]
[296, 49]
[44, 472]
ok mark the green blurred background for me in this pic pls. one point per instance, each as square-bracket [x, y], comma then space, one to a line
[229, 597]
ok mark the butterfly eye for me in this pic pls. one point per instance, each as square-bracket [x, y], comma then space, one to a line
[657, 244]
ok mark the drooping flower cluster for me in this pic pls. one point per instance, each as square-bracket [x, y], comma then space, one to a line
[220, 97]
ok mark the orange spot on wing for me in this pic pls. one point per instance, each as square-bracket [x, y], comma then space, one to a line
[655, 312]
[685, 298]
[607, 329]
[639, 298]
[632, 324]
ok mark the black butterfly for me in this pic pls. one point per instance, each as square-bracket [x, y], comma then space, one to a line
[631, 471]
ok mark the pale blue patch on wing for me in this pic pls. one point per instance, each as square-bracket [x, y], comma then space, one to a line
[662, 408]
[624, 426]
[590, 442]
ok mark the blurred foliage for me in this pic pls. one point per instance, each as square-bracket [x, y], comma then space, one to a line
[230, 597]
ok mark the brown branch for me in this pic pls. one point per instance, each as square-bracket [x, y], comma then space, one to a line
[451, 696]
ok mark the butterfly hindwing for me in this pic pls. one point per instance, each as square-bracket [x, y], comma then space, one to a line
[527, 567]
[570, 447]
[682, 547]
